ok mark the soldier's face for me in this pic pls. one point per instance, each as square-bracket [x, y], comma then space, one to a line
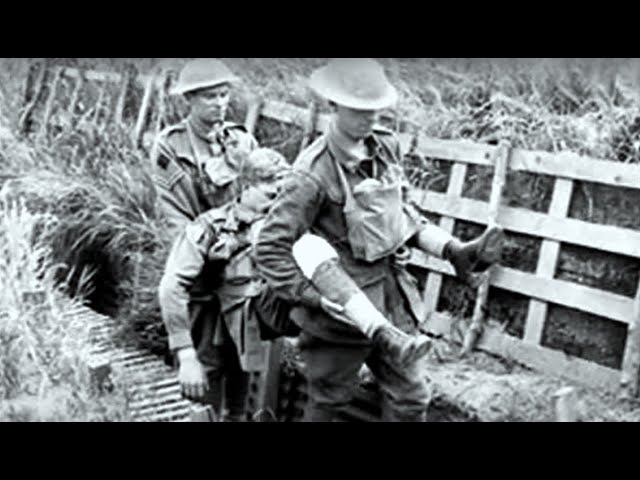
[356, 124]
[210, 104]
[260, 196]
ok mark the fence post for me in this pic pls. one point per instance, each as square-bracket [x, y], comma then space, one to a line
[37, 86]
[310, 126]
[144, 108]
[164, 76]
[631, 360]
[253, 114]
[127, 76]
[566, 405]
[501, 165]
[433, 285]
[48, 108]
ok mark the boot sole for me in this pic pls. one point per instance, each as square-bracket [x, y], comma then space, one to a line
[419, 352]
[490, 249]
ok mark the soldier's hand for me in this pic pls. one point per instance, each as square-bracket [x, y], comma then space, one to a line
[192, 377]
[335, 310]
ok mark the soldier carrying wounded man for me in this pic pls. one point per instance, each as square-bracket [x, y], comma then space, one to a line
[216, 352]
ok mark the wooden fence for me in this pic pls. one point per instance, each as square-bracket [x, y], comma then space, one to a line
[554, 227]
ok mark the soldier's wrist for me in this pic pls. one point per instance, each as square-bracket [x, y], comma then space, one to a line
[186, 354]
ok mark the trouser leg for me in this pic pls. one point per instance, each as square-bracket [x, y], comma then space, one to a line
[332, 376]
[236, 389]
[406, 392]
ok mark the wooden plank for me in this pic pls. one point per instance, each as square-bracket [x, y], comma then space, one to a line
[118, 114]
[132, 362]
[565, 403]
[254, 111]
[48, 108]
[629, 382]
[586, 299]
[501, 166]
[464, 151]
[534, 326]
[38, 87]
[144, 108]
[161, 103]
[173, 407]
[175, 416]
[156, 400]
[93, 75]
[169, 381]
[97, 109]
[577, 167]
[432, 288]
[547, 261]
[75, 96]
[600, 237]
[285, 112]
[309, 126]
[545, 360]
[122, 355]
[564, 164]
[27, 86]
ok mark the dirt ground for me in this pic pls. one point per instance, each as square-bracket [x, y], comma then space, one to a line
[488, 388]
[485, 388]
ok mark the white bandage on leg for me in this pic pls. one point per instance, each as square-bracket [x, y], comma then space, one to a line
[311, 251]
[432, 239]
[364, 314]
[319, 263]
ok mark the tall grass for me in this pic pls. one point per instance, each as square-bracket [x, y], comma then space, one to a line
[104, 232]
[43, 337]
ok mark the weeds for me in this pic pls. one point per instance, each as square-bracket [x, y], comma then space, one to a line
[43, 337]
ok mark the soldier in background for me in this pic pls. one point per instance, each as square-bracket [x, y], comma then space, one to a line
[195, 163]
[195, 168]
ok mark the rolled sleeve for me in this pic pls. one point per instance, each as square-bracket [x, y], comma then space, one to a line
[291, 216]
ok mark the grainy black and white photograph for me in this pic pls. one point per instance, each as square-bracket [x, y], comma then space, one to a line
[319, 240]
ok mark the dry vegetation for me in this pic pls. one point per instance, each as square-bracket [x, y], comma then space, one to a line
[83, 194]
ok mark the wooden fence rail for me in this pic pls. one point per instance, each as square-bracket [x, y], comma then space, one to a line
[553, 228]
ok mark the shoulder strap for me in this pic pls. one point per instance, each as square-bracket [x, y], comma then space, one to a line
[349, 200]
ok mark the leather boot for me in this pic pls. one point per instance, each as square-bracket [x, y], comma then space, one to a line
[477, 255]
[405, 349]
